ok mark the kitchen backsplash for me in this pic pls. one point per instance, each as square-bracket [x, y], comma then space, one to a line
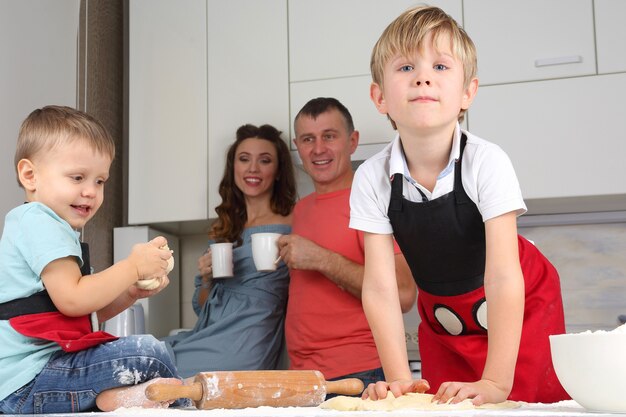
[591, 260]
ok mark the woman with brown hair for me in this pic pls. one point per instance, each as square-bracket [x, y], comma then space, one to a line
[240, 319]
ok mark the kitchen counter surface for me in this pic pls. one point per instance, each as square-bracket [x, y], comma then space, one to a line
[561, 409]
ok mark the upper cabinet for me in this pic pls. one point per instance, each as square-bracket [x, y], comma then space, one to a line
[198, 69]
[565, 137]
[330, 43]
[334, 39]
[167, 111]
[248, 75]
[610, 35]
[531, 39]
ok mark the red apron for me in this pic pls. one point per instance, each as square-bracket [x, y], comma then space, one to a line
[71, 333]
[36, 316]
[464, 355]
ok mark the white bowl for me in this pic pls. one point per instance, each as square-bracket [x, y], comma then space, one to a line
[592, 368]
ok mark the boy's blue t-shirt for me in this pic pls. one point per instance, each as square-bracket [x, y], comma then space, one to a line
[33, 236]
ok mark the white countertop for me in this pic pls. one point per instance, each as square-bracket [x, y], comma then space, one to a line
[561, 409]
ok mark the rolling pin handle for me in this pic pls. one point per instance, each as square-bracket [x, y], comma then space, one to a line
[348, 386]
[169, 392]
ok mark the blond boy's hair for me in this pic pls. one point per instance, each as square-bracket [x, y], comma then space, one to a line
[407, 32]
[51, 126]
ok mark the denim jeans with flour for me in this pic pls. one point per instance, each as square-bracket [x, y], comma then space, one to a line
[70, 382]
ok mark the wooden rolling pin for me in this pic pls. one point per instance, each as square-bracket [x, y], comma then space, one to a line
[242, 389]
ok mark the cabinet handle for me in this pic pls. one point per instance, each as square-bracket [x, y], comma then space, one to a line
[559, 60]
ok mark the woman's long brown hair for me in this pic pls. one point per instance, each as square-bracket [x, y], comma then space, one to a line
[231, 213]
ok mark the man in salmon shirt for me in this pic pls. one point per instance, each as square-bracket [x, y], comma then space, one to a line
[325, 327]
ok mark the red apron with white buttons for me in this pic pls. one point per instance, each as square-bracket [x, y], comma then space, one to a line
[448, 356]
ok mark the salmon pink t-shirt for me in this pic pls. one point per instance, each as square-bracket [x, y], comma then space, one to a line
[326, 328]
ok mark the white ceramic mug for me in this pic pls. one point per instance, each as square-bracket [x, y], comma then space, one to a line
[265, 251]
[222, 259]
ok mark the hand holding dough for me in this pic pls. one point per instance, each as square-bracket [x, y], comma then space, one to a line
[154, 283]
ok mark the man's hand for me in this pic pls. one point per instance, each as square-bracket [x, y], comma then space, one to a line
[301, 253]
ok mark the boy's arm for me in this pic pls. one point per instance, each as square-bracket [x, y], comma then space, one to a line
[382, 308]
[504, 291]
[407, 289]
[76, 295]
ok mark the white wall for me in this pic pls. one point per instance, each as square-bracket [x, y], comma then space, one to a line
[38, 47]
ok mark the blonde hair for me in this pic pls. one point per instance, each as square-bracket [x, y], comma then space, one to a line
[407, 33]
[51, 126]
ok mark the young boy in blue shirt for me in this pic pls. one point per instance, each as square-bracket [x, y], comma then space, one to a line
[53, 359]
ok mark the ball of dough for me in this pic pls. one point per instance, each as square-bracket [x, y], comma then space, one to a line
[154, 283]
[149, 284]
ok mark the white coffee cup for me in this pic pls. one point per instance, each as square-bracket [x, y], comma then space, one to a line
[265, 251]
[222, 258]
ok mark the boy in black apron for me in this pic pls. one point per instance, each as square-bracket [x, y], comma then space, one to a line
[487, 298]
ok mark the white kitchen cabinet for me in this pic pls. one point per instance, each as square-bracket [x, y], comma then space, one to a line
[198, 69]
[167, 111]
[248, 75]
[610, 35]
[162, 311]
[331, 39]
[531, 39]
[38, 40]
[565, 137]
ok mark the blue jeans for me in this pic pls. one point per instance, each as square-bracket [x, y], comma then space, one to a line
[368, 377]
[70, 382]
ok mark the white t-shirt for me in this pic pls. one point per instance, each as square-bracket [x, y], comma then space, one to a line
[487, 174]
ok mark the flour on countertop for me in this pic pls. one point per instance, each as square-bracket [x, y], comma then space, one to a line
[561, 409]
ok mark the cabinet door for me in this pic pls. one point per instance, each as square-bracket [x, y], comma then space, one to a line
[167, 111]
[610, 35]
[37, 68]
[248, 75]
[329, 38]
[531, 39]
[565, 137]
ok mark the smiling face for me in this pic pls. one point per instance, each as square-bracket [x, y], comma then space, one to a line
[255, 167]
[425, 91]
[325, 145]
[69, 179]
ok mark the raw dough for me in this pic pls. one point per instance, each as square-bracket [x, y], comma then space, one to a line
[413, 401]
[154, 283]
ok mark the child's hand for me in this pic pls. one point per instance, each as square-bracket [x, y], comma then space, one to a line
[149, 259]
[481, 392]
[379, 390]
[136, 293]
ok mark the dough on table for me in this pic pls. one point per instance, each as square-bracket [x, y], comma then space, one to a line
[413, 401]
[154, 283]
